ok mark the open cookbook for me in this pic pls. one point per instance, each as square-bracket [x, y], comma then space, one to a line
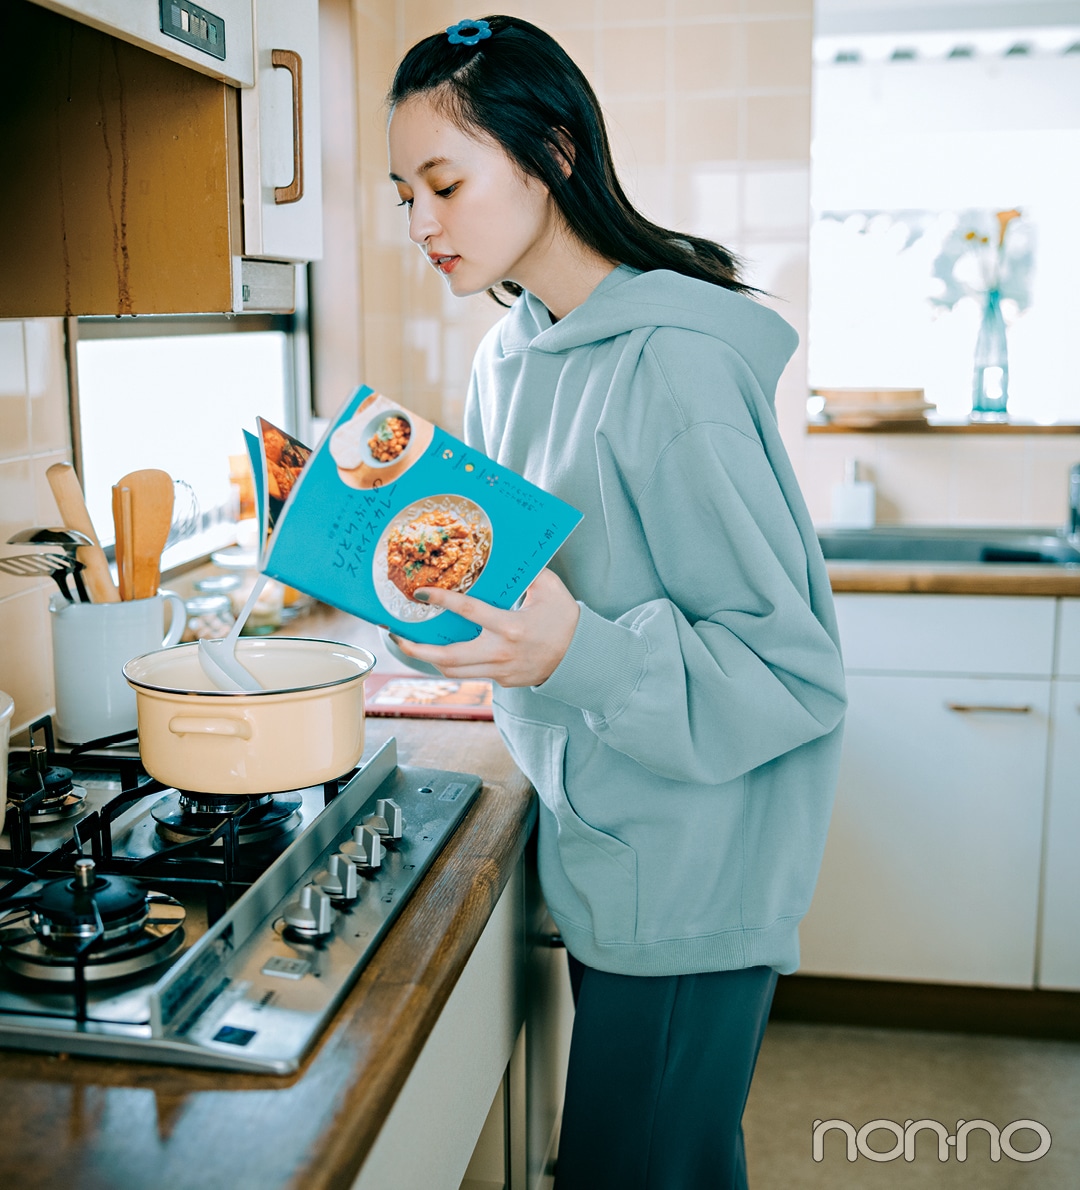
[388, 503]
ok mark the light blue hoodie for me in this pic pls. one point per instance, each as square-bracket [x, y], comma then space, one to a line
[685, 750]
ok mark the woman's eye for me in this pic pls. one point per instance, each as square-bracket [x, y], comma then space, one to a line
[447, 191]
[405, 202]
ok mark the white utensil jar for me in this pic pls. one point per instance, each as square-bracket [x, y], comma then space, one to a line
[92, 642]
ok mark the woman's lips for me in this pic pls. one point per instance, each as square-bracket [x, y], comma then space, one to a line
[445, 264]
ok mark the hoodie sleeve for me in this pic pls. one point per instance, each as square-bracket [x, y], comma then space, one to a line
[734, 668]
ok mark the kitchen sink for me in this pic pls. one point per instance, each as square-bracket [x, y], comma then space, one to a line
[913, 544]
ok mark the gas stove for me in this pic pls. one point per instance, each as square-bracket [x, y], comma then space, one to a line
[147, 923]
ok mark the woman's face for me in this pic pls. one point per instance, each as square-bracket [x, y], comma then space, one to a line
[476, 217]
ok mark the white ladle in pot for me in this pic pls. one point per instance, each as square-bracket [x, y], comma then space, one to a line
[218, 657]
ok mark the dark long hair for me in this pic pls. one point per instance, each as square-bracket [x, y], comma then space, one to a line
[521, 88]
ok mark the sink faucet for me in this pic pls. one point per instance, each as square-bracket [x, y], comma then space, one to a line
[1074, 500]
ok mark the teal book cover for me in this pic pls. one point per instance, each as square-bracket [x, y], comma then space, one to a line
[388, 503]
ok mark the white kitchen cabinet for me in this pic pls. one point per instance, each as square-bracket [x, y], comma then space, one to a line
[549, 1021]
[1067, 662]
[931, 869]
[282, 168]
[482, 1103]
[431, 1132]
[1059, 942]
[932, 866]
[217, 43]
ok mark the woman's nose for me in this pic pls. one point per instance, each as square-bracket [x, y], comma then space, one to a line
[422, 222]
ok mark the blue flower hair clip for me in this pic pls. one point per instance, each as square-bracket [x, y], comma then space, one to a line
[468, 32]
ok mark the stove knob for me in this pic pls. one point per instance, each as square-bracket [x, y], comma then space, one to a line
[365, 849]
[312, 915]
[340, 879]
[386, 820]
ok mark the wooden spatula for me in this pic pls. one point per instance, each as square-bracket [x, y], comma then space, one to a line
[69, 499]
[142, 512]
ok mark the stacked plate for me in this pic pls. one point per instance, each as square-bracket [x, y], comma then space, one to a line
[869, 408]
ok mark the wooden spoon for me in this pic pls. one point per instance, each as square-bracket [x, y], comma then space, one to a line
[125, 540]
[142, 512]
[69, 499]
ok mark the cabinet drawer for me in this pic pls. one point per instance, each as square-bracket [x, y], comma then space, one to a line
[947, 634]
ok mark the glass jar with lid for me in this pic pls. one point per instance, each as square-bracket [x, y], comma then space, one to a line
[208, 617]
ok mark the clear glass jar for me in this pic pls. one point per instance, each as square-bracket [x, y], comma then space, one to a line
[217, 584]
[208, 617]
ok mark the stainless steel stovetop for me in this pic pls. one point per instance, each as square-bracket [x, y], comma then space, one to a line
[124, 935]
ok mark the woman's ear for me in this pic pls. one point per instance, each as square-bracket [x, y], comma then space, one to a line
[564, 151]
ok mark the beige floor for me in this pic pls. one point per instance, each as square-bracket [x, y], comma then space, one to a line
[818, 1072]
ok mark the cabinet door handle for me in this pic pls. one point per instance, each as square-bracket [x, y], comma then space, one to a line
[290, 60]
[979, 709]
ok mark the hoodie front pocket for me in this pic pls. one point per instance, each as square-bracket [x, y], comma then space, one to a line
[601, 868]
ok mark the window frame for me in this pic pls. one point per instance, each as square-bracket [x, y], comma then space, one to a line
[298, 411]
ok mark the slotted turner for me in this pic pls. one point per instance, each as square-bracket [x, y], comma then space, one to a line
[56, 566]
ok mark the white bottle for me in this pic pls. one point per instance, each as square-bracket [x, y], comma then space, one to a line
[853, 500]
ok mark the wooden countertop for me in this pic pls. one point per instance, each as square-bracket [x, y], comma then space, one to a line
[925, 578]
[76, 1122]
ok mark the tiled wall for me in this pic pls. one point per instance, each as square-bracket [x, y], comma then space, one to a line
[948, 479]
[34, 433]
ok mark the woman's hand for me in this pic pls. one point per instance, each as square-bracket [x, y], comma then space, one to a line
[515, 648]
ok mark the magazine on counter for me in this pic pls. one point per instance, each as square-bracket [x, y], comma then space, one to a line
[416, 696]
[388, 503]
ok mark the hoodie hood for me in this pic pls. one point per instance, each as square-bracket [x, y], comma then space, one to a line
[627, 300]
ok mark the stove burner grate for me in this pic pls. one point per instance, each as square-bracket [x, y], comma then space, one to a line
[94, 927]
[184, 817]
[47, 792]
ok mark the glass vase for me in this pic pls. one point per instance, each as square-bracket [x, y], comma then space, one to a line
[990, 382]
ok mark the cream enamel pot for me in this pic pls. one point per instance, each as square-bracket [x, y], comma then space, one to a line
[304, 728]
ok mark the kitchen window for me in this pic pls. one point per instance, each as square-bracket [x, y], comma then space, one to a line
[176, 393]
[919, 138]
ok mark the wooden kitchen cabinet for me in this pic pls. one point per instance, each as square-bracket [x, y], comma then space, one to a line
[125, 192]
[932, 865]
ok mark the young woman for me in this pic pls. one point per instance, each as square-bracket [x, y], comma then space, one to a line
[672, 685]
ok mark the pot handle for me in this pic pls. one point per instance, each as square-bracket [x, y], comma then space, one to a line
[197, 725]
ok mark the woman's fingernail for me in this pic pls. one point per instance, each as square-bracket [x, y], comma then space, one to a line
[420, 596]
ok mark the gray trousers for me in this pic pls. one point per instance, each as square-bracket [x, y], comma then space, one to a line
[660, 1068]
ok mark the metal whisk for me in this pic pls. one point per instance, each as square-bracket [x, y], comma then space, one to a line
[187, 516]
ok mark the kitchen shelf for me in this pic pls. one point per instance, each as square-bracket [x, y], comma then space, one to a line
[816, 426]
